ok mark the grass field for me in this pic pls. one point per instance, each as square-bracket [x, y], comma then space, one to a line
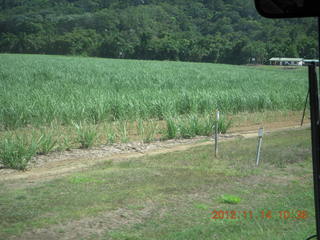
[53, 103]
[172, 196]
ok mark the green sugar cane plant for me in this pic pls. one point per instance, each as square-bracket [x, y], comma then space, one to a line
[110, 133]
[188, 127]
[46, 143]
[196, 125]
[224, 124]
[172, 128]
[147, 130]
[140, 128]
[17, 151]
[66, 143]
[86, 135]
[208, 123]
[122, 131]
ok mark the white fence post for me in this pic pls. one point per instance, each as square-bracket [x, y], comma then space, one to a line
[260, 135]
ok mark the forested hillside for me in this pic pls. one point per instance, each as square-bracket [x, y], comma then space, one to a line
[223, 31]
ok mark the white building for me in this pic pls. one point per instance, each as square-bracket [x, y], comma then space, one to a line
[286, 61]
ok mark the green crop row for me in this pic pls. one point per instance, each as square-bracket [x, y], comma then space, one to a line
[17, 149]
[192, 126]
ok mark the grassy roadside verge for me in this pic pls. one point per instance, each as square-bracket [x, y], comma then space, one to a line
[171, 196]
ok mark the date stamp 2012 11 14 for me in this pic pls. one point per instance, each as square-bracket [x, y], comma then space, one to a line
[263, 214]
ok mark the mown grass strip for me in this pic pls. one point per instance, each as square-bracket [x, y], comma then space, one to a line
[171, 196]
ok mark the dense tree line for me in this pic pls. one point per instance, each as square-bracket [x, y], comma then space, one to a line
[224, 31]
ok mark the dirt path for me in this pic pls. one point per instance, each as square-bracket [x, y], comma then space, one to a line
[59, 164]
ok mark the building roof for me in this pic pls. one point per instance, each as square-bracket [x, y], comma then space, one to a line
[286, 59]
[311, 60]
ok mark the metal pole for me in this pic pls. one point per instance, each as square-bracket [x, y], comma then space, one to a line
[304, 110]
[315, 136]
[318, 46]
[260, 135]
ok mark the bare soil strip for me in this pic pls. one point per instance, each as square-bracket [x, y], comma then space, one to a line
[59, 164]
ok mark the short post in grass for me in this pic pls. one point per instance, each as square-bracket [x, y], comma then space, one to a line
[260, 135]
[216, 133]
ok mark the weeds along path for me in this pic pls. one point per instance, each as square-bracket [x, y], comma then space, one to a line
[60, 164]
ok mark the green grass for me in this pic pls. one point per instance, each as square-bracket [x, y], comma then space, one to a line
[172, 196]
[38, 90]
[231, 199]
